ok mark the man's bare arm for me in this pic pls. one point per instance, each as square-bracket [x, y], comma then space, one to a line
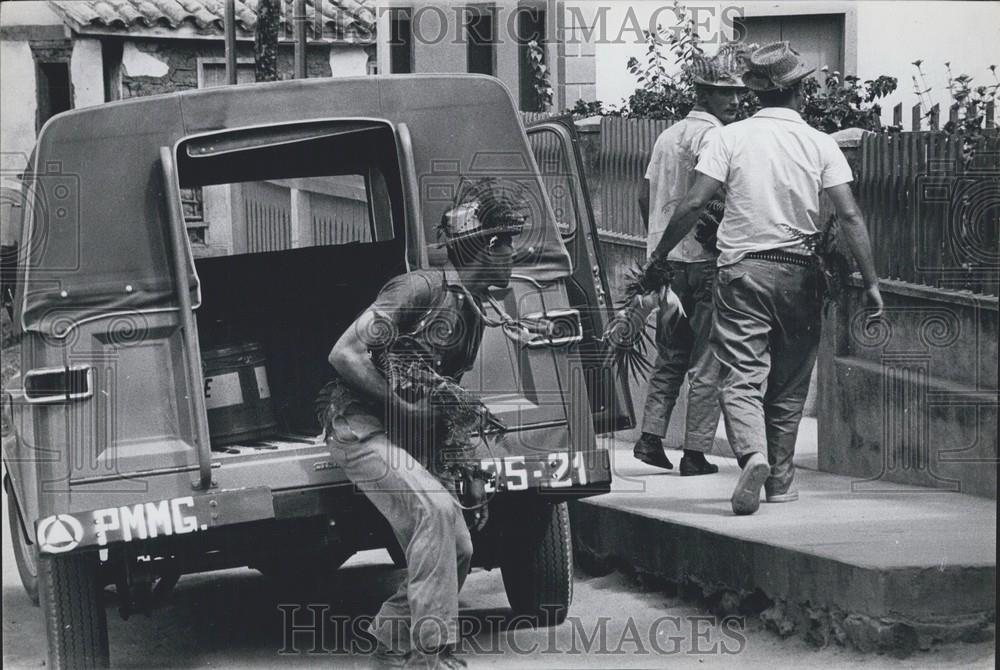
[686, 214]
[644, 203]
[349, 357]
[856, 232]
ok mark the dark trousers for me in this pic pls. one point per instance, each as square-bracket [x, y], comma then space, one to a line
[765, 335]
[684, 352]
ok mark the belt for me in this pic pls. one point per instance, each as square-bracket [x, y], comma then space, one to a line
[779, 256]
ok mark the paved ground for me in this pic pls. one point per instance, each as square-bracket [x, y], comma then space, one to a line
[836, 517]
[231, 619]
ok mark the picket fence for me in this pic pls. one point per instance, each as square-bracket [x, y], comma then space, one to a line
[932, 213]
[932, 210]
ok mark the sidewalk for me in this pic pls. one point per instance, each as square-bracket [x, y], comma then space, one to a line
[893, 570]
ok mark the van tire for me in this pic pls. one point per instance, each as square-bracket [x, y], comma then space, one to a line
[25, 553]
[76, 625]
[537, 563]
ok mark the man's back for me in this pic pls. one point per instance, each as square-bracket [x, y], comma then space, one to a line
[774, 167]
[670, 174]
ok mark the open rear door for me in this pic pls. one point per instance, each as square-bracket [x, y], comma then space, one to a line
[554, 144]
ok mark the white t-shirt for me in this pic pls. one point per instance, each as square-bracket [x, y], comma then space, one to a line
[775, 167]
[670, 174]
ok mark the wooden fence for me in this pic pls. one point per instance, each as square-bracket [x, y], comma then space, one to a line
[616, 154]
[932, 214]
[933, 115]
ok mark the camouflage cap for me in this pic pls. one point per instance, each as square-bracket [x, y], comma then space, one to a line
[484, 208]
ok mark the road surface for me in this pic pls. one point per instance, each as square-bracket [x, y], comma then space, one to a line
[237, 619]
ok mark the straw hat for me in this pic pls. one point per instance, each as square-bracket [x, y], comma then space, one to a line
[775, 66]
[723, 70]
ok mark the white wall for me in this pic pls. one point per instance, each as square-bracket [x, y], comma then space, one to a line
[17, 127]
[887, 37]
[28, 13]
[348, 62]
[18, 102]
[621, 38]
[891, 37]
[87, 72]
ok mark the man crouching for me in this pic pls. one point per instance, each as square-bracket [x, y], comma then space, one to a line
[389, 445]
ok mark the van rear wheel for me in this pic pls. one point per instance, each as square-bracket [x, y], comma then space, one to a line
[25, 553]
[76, 626]
[537, 563]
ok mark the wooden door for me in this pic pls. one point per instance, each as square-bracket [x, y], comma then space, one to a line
[819, 38]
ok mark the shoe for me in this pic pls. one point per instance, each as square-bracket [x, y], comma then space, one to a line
[791, 495]
[444, 659]
[384, 658]
[649, 450]
[691, 467]
[746, 495]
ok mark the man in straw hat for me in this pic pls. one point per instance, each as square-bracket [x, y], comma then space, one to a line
[379, 437]
[767, 306]
[684, 351]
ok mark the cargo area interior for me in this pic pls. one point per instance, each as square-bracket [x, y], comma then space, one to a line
[304, 224]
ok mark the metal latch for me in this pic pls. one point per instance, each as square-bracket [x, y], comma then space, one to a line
[558, 328]
[51, 385]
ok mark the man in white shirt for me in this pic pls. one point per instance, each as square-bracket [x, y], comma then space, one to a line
[684, 350]
[767, 304]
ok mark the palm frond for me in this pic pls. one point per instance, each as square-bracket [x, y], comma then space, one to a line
[643, 279]
[834, 263]
[626, 336]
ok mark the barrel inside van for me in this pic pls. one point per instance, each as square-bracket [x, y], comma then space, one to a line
[293, 229]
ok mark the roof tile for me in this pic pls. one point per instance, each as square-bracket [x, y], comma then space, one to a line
[342, 19]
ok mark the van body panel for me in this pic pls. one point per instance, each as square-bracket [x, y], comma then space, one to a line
[100, 292]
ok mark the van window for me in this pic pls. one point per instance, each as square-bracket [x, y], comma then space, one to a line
[557, 175]
[289, 195]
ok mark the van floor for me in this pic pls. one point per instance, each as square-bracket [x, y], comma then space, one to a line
[279, 442]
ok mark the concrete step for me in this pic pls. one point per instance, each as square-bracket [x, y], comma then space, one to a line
[894, 570]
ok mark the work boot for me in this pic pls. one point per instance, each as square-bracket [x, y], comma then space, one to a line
[746, 495]
[694, 463]
[649, 450]
[442, 659]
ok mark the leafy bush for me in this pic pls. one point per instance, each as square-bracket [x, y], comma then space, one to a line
[840, 102]
[845, 102]
[968, 102]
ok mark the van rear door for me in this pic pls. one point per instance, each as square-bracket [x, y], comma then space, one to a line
[556, 148]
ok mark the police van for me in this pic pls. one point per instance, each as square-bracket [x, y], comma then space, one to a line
[186, 263]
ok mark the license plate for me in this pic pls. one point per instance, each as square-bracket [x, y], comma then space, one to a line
[183, 515]
[556, 470]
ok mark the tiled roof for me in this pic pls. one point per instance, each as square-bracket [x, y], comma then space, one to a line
[351, 20]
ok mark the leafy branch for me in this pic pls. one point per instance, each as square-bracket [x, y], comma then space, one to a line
[540, 79]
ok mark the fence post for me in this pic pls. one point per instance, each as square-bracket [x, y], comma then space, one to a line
[915, 118]
[300, 19]
[953, 115]
[897, 115]
[936, 117]
[990, 111]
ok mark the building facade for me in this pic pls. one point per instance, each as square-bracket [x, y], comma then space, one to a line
[61, 55]
[866, 39]
[495, 38]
